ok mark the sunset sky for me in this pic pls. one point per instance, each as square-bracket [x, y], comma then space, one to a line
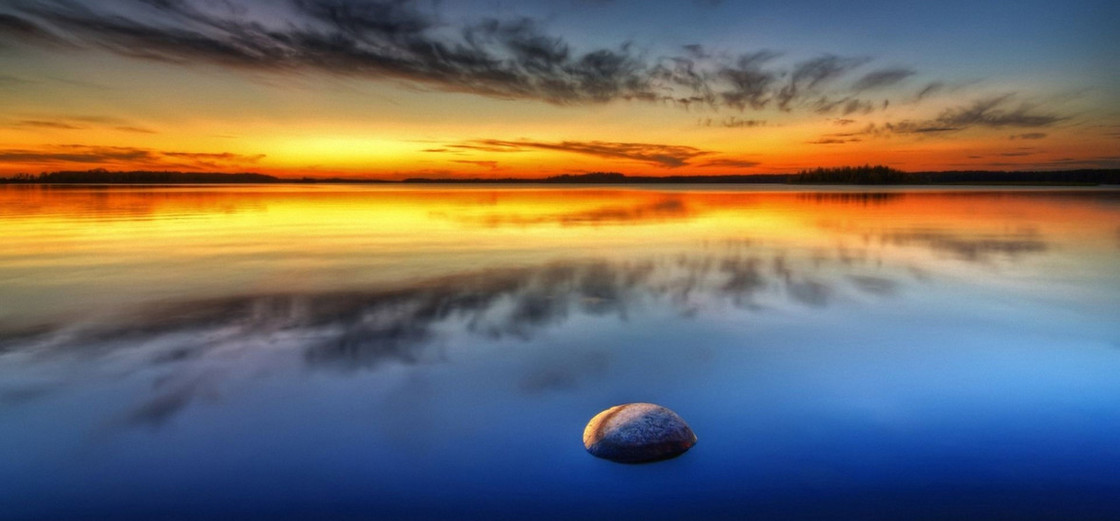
[397, 89]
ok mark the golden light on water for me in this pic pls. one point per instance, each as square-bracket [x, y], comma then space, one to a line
[124, 244]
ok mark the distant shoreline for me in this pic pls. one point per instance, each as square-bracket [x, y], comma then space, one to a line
[872, 176]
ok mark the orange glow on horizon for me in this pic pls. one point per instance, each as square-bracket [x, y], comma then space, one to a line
[318, 151]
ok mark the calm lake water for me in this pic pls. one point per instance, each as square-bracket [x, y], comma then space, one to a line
[369, 352]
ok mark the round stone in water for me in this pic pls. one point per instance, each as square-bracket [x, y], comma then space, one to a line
[637, 433]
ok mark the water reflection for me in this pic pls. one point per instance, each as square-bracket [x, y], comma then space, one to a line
[352, 329]
[974, 249]
[879, 286]
[417, 323]
[250, 345]
[661, 209]
[848, 198]
[115, 203]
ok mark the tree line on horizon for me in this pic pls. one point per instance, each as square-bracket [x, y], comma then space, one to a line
[102, 176]
[845, 175]
[860, 175]
[884, 175]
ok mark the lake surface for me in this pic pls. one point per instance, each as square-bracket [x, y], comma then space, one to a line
[370, 352]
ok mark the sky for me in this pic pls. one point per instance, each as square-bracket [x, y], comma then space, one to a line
[493, 88]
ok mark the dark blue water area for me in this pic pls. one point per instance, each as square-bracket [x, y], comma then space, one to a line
[943, 418]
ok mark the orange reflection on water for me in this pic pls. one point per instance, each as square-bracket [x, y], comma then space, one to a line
[71, 249]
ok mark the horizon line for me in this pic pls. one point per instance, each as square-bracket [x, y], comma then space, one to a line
[866, 174]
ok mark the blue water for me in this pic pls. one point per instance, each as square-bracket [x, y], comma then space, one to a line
[949, 368]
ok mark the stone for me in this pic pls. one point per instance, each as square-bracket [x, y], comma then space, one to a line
[637, 433]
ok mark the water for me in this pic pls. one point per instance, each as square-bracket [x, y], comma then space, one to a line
[433, 353]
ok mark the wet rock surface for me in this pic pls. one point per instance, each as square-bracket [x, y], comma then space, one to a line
[637, 433]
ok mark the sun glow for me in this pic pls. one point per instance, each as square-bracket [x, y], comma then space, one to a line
[346, 152]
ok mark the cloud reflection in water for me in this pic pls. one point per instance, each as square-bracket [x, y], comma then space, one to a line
[415, 323]
[192, 343]
[412, 324]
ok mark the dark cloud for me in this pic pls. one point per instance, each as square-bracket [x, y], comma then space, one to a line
[99, 120]
[882, 78]
[519, 58]
[750, 85]
[1028, 135]
[729, 163]
[15, 28]
[81, 123]
[76, 154]
[396, 40]
[65, 156]
[489, 165]
[809, 75]
[731, 122]
[930, 89]
[669, 156]
[54, 125]
[838, 138]
[223, 156]
[210, 160]
[910, 127]
[688, 73]
[488, 145]
[386, 39]
[907, 127]
[137, 130]
[833, 141]
[846, 106]
[993, 112]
